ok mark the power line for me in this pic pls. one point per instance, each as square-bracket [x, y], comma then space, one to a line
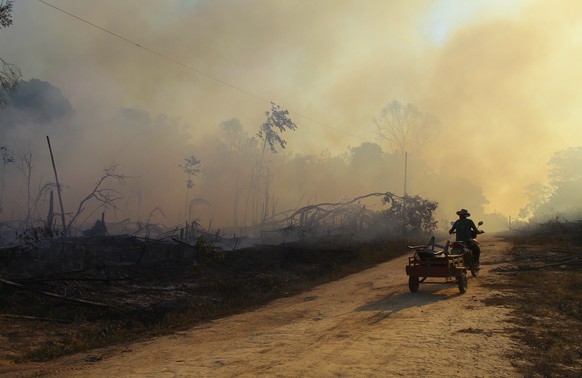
[179, 63]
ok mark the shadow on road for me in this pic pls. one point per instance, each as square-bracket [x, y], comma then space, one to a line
[397, 302]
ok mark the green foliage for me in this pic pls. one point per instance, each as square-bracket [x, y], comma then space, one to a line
[277, 122]
[191, 167]
[206, 254]
[9, 73]
[411, 213]
[562, 197]
[565, 166]
[5, 13]
[6, 155]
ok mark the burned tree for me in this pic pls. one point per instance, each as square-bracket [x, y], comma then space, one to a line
[106, 196]
[33, 201]
[349, 216]
[404, 215]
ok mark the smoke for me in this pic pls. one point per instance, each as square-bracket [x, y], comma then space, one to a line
[238, 184]
[502, 82]
[505, 91]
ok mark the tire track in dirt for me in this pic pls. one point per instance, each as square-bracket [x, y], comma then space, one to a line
[367, 324]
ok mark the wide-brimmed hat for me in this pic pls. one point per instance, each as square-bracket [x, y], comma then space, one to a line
[463, 212]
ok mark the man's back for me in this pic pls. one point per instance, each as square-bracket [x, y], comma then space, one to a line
[463, 227]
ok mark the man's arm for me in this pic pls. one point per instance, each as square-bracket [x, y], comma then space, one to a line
[453, 228]
[473, 226]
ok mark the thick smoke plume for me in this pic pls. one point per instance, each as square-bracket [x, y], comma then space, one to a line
[501, 79]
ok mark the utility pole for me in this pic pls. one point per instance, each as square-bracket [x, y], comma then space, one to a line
[404, 199]
[405, 170]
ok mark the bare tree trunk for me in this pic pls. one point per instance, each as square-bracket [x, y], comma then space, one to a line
[25, 167]
[266, 202]
[7, 157]
[187, 208]
[51, 214]
[58, 187]
[249, 198]
[28, 177]
[53, 295]
[236, 186]
[258, 211]
[2, 188]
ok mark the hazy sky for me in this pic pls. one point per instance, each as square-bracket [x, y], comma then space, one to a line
[503, 77]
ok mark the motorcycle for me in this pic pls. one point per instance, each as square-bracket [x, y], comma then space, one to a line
[461, 248]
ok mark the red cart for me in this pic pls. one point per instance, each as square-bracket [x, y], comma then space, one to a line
[428, 263]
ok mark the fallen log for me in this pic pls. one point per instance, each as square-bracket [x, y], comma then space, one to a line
[27, 317]
[53, 295]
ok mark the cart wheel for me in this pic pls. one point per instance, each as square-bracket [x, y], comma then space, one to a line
[413, 284]
[462, 282]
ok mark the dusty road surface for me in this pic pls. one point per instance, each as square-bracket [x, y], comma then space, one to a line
[365, 325]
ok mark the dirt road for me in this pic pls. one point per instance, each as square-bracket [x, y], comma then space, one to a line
[364, 325]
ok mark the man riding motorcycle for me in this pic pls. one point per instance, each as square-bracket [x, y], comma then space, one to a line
[464, 228]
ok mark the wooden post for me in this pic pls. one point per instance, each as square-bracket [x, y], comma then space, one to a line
[58, 187]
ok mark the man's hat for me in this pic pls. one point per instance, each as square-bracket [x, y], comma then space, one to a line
[463, 212]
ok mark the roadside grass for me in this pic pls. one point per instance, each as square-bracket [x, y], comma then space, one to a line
[549, 317]
[86, 336]
[547, 313]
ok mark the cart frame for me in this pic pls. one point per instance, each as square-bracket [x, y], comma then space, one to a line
[428, 262]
